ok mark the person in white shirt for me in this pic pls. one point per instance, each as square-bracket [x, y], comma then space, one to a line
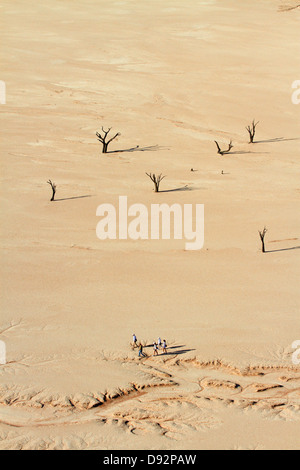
[155, 349]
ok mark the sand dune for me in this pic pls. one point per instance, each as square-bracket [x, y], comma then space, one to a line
[172, 77]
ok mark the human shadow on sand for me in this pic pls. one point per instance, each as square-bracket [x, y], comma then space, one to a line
[171, 350]
[150, 148]
[177, 352]
[169, 347]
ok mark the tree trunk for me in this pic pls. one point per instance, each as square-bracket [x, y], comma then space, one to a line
[53, 192]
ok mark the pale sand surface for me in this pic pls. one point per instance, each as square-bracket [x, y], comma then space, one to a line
[172, 77]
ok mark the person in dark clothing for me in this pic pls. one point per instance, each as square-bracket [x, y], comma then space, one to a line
[141, 351]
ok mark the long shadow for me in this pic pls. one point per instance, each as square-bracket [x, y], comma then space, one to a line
[169, 347]
[75, 197]
[241, 152]
[176, 353]
[172, 353]
[276, 139]
[284, 249]
[150, 148]
[184, 188]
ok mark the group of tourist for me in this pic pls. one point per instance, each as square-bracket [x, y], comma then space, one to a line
[159, 345]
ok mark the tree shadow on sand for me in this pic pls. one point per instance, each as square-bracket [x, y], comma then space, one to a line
[150, 148]
[242, 152]
[283, 249]
[183, 188]
[74, 197]
[275, 139]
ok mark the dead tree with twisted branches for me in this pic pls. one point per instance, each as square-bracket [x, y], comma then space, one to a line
[156, 180]
[103, 139]
[53, 187]
[262, 237]
[222, 152]
[251, 130]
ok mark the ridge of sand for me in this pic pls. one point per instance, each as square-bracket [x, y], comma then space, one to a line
[172, 77]
[171, 399]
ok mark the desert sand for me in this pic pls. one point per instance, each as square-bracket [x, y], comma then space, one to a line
[171, 77]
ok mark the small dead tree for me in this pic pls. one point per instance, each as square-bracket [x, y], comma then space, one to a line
[53, 187]
[156, 180]
[251, 130]
[222, 152]
[262, 237]
[103, 139]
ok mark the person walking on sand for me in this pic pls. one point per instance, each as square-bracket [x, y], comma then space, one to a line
[134, 340]
[164, 347]
[159, 343]
[155, 349]
[141, 351]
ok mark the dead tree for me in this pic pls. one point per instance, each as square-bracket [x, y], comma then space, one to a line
[262, 237]
[222, 152]
[156, 180]
[53, 187]
[102, 139]
[251, 129]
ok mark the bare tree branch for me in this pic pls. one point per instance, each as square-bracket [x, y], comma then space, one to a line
[156, 180]
[117, 134]
[102, 138]
[53, 187]
[251, 130]
[262, 237]
[222, 152]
